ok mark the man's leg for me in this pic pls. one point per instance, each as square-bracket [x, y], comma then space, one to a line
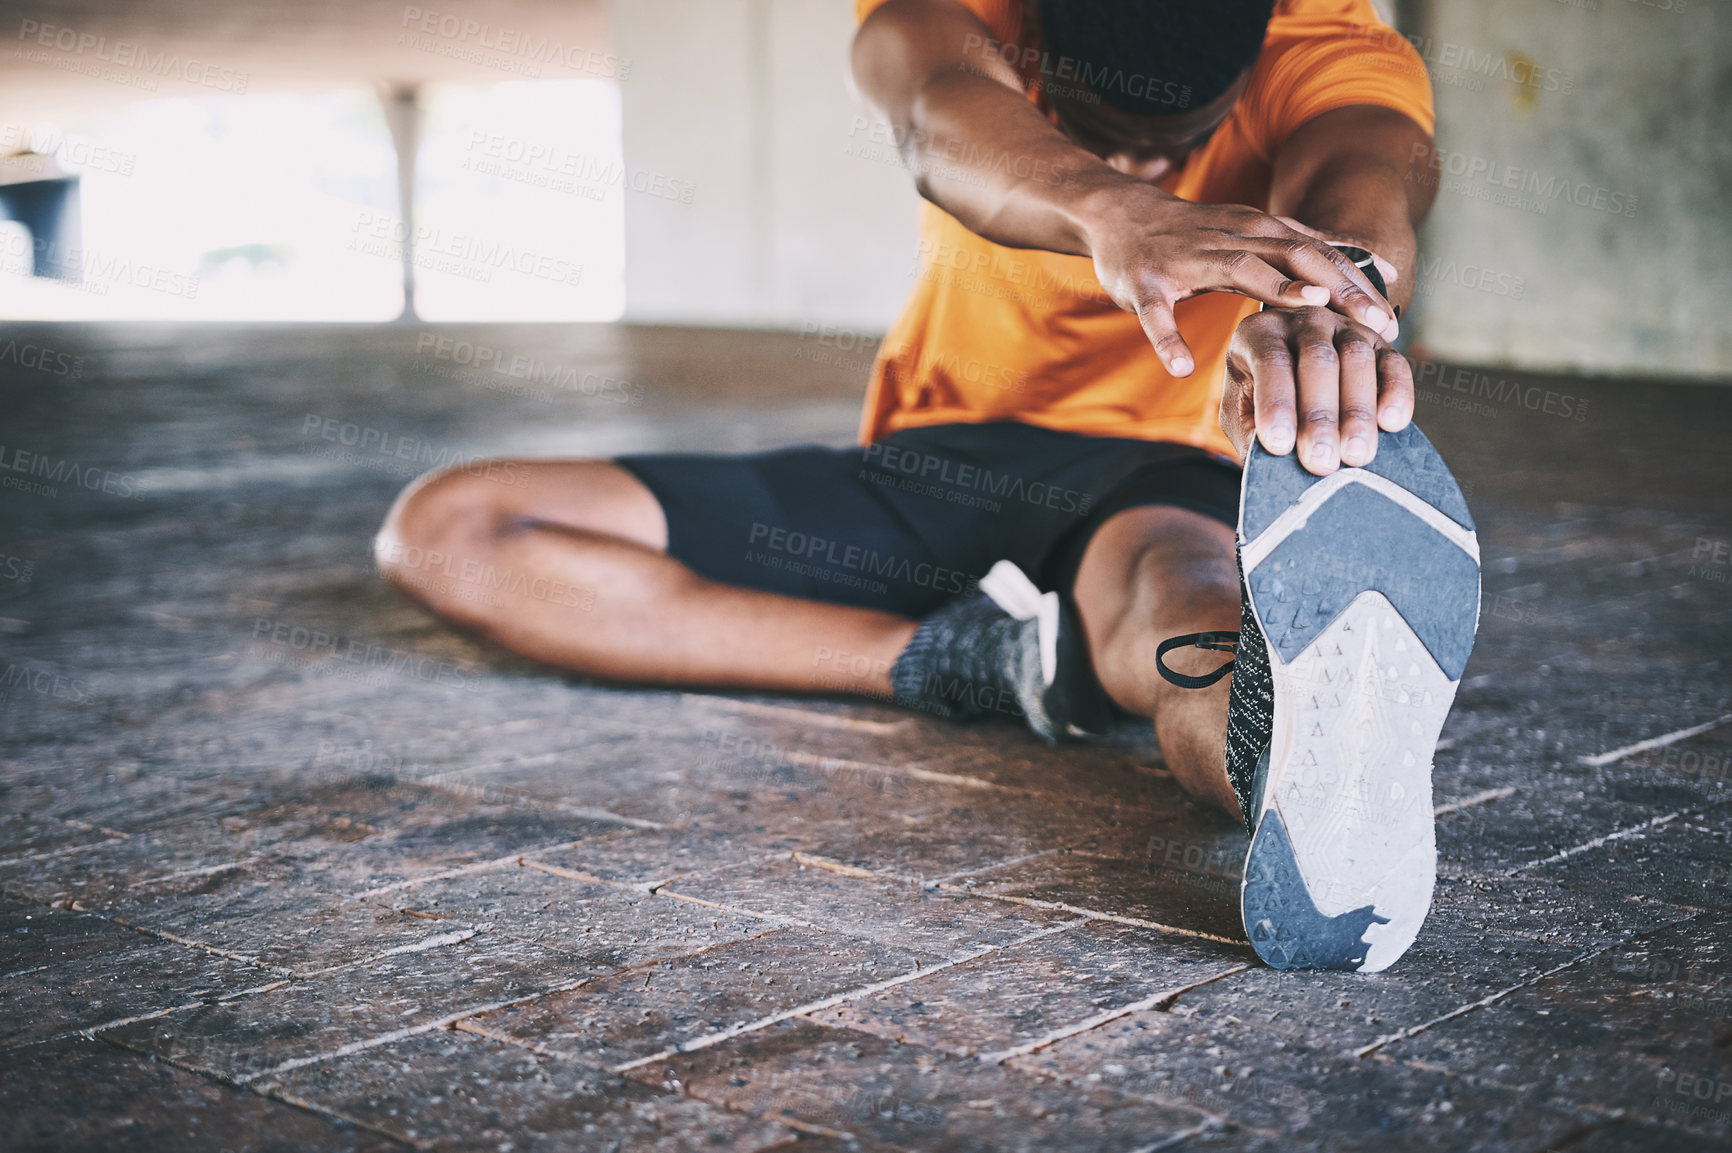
[1150, 573]
[570, 568]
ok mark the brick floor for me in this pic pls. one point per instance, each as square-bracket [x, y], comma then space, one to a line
[253, 897]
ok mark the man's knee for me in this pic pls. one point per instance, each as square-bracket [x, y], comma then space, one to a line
[1189, 582]
[443, 516]
[1158, 563]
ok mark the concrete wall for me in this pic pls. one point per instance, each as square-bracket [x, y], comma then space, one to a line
[788, 224]
[1583, 222]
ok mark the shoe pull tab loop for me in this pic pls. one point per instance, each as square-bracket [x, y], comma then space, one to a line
[1212, 642]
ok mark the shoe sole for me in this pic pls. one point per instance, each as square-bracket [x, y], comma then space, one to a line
[1366, 586]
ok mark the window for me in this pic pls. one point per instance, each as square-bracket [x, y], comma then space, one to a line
[284, 207]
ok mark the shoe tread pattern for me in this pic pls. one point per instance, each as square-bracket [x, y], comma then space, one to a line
[1406, 458]
[1361, 540]
[1284, 924]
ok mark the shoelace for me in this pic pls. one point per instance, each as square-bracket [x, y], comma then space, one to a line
[1212, 642]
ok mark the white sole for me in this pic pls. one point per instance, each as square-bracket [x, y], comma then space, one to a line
[1368, 593]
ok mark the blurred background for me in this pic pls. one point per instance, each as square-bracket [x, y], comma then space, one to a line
[706, 162]
[287, 862]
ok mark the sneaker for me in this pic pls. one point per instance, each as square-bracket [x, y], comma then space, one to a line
[1359, 602]
[1009, 650]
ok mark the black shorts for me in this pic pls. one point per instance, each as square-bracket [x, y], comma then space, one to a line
[915, 520]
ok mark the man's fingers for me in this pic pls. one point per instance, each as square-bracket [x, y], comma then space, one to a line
[1245, 272]
[1272, 389]
[1357, 352]
[1395, 390]
[1318, 385]
[1350, 293]
[1163, 332]
[1390, 274]
[1319, 398]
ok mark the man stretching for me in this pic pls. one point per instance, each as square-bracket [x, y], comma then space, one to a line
[1130, 279]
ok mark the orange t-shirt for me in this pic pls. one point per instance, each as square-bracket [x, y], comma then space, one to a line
[996, 333]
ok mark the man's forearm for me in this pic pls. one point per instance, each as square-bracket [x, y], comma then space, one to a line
[1364, 201]
[1359, 173]
[977, 147]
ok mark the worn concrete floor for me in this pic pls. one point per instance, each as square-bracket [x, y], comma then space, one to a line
[286, 864]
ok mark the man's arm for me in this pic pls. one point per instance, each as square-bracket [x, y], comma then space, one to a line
[1359, 174]
[958, 110]
[1308, 378]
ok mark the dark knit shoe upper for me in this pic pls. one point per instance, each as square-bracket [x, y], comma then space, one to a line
[972, 659]
[966, 661]
[1250, 709]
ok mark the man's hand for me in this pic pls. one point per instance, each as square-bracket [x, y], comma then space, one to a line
[1152, 250]
[1311, 378]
